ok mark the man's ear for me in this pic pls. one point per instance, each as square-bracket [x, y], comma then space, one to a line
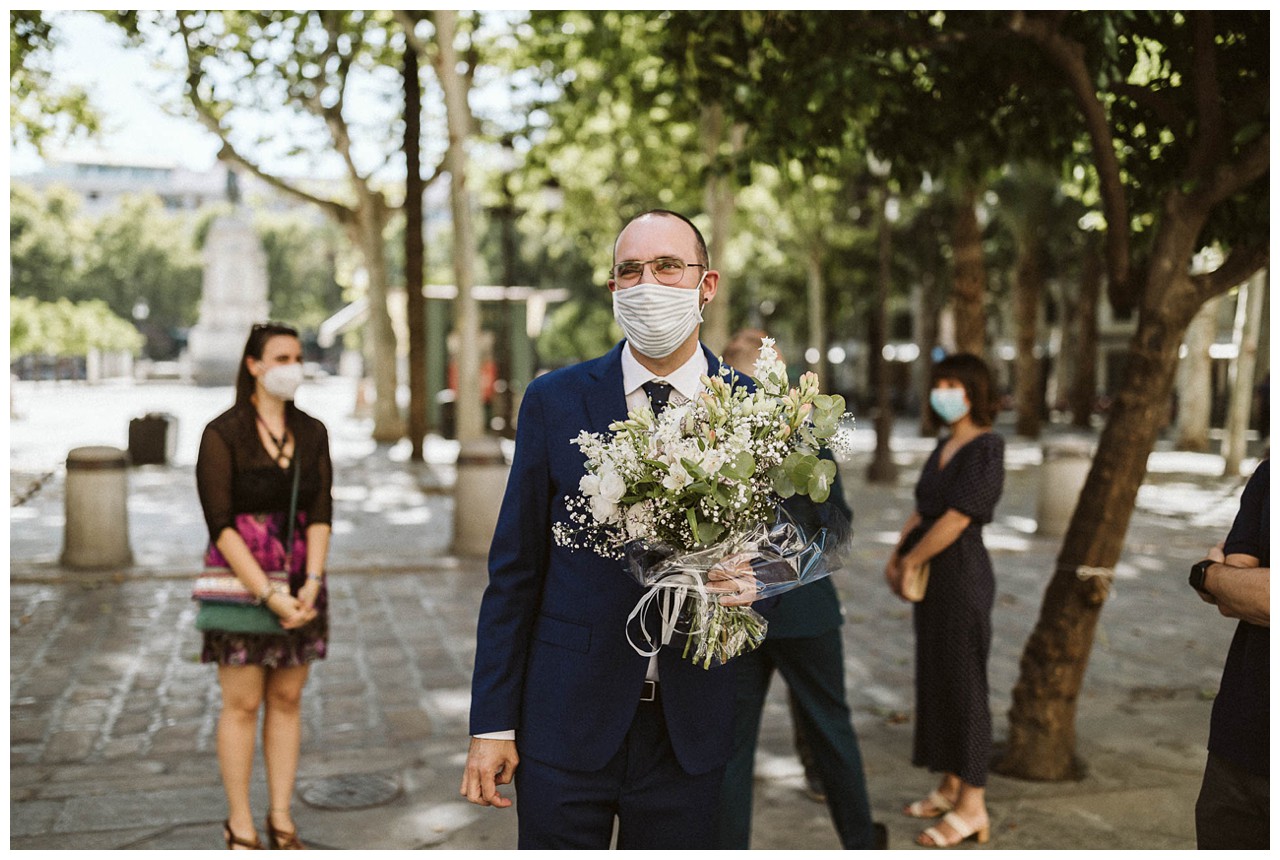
[710, 285]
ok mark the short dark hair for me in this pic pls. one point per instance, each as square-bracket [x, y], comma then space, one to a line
[979, 384]
[253, 347]
[701, 249]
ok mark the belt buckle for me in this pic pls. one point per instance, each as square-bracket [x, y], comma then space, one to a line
[649, 692]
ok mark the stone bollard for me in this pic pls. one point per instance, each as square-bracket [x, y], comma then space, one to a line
[96, 534]
[477, 495]
[1065, 466]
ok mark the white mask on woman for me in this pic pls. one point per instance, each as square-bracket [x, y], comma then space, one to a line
[282, 380]
[949, 403]
[656, 319]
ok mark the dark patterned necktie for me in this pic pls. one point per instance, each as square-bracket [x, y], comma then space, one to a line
[659, 395]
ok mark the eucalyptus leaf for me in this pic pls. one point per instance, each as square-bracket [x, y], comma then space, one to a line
[782, 483]
[708, 532]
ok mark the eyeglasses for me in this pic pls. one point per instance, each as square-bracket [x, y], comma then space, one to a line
[667, 270]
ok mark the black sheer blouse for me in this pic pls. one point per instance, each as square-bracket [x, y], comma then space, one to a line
[235, 474]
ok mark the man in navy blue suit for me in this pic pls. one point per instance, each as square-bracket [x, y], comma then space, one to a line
[590, 730]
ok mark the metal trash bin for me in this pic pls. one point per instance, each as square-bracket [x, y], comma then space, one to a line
[1065, 466]
[96, 534]
[153, 439]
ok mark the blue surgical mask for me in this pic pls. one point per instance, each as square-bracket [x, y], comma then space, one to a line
[949, 403]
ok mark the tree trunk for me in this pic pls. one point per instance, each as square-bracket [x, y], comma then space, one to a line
[1042, 718]
[969, 285]
[414, 254]
[882, 469]
[1248, 323]
[720, 205]
[371, 220]
[925, 331]
[1195, 387]
[817, 303]
[1028, 289]
[469, 403]
[1084, 350]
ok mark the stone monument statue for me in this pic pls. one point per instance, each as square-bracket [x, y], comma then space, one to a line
[234, 294]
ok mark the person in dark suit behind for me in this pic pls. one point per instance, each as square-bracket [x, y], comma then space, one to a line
[590, 730]
[1233, 809]
[804, 644]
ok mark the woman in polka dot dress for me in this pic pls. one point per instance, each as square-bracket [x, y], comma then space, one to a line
[955, 496]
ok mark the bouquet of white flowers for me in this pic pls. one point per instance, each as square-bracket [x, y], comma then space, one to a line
[692, 501]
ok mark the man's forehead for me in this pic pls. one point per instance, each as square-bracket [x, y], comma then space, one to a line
[663, 232]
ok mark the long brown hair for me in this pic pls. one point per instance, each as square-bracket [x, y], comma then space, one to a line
[253, 347]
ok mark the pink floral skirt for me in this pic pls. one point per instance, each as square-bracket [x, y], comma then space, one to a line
[294, 648]
[264, 535]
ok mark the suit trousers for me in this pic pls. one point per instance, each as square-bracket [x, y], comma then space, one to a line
[814, 671]
[656, 803]
[1233, 810]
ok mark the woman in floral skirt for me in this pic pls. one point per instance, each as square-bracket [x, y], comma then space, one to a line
[245, 477]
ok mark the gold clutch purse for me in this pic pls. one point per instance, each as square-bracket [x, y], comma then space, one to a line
[914, 584]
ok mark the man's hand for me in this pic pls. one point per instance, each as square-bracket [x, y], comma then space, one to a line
[735, 578]
[490, 763]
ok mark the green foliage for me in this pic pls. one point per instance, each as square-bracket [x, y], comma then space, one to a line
[291, 69]
[46, 242]
[302, 257]
[142, 258]
[41, 109]
[613, 136]
[805, 474]
[141, 253]
[64, 328]
[25, 334]
[955, 96]
[576, 331]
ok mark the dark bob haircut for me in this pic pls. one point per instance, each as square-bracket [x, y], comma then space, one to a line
[979, 385]
[258, 337]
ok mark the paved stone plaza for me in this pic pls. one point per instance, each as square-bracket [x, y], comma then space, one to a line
[112, 716]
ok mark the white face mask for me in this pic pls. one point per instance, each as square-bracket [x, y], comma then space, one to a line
[656, 319]
[949, 403]
[282, 380]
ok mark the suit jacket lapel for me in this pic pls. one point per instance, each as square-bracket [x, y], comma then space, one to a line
[606, 401]
[713, 361]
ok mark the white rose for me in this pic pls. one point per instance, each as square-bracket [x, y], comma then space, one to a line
[589, 485]
[612, 487]
[602, 509]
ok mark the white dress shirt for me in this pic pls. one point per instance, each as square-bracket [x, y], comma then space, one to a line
[685, 379]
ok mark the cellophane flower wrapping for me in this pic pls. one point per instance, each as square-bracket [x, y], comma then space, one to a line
[692, 503]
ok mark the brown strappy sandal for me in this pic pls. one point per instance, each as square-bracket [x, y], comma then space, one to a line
[233, 840]
[286, 840]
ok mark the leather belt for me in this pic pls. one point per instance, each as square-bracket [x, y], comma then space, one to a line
[649, 692]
